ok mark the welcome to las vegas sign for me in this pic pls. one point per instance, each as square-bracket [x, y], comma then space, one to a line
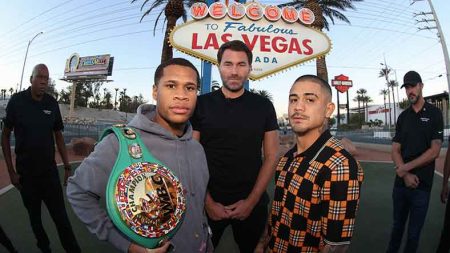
[277, 37]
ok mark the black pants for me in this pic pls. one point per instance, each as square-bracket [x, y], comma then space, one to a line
[246, 233]
[444, 244]
[4, 240]
[48, 190]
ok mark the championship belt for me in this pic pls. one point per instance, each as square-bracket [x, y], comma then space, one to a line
[144, 199]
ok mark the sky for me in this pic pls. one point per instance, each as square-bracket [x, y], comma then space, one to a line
[380, 30]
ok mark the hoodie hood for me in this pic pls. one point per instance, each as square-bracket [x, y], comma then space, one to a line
[144, 121]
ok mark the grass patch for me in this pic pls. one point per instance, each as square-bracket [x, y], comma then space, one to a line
[373, 223]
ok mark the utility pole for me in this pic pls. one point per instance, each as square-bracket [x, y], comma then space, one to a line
[115, 99]
[440, 35]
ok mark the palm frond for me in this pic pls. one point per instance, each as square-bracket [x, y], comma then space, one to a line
[384, 72]
[154, 5]
[392, 83]
[156, 22]
[331, 9]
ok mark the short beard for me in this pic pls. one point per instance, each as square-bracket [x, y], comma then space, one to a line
[226, 86]
[413, 100]
[416, 99]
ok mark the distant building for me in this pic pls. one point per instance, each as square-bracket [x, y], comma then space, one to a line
[379, 112]
[440, 101]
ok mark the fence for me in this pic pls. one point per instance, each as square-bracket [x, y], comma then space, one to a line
[378, 136]
[368, 136]
[365, 136]
[375, 136]
[77, 131]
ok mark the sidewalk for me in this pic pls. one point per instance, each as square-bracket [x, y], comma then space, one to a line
[382, 153]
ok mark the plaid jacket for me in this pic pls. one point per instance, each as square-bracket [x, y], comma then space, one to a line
[316, 197]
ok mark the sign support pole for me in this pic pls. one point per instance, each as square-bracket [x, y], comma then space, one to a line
[72, 100]
[339, 110]
[348, 109]
[206, 77]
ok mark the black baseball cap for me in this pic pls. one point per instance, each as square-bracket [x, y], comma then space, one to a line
[411, 78]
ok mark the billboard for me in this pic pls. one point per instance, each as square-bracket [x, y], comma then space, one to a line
[277, 37]
[88, 67]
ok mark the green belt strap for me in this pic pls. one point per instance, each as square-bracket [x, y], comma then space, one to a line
[129, 154]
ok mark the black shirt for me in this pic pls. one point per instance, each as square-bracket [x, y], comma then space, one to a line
[414, 132]
[34, 123]
[232, 132]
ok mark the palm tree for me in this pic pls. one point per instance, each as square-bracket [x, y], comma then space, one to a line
[384, 93]
[173, 10]
[366, 100]
[11, 91]
[263, 93]
[359, 99]
[323, 9]
[106, 103]
[362, 97]
[384, 72]
[266, 94]
[392, 84]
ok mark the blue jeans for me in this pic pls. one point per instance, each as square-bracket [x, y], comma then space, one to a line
[444, 243]
[412, 203]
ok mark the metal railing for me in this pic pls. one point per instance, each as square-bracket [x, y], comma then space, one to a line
[375, 136]
[77, 131]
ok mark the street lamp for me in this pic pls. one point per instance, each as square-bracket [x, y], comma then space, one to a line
[126, 104]
[25, 60]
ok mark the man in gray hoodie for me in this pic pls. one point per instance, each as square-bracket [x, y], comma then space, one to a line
[166, 133]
